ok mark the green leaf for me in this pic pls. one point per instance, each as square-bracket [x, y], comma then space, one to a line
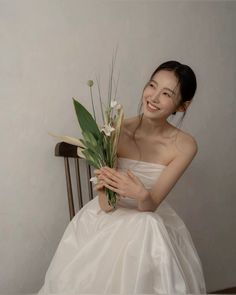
[95, 163]
[111, 197]
[95, 155]
[95, 146]
[86, 121]
[88, 136]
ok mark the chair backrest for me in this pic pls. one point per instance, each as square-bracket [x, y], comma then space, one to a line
[67, 151]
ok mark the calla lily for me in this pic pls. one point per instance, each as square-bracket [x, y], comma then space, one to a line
[94, 180]
[107, 129]
[113, 103]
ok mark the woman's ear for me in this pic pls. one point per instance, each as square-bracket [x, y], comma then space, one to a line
[183, 106]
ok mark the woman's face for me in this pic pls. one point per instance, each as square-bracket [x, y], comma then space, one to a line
[161, 95]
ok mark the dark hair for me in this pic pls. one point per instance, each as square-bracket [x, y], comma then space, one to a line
[186, 80]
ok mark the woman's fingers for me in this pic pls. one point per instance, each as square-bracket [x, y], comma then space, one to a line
[99, 186]
[132, 176]
[109, 172]
[108, 180]
[112, 173]
[119, 192]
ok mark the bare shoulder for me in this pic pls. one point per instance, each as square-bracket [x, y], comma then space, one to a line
[186, 145]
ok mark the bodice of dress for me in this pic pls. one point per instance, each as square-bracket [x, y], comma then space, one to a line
[147, 172]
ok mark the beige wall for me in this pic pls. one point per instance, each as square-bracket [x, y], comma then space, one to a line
[49, 49]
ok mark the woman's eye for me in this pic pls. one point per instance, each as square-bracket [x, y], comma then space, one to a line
[167, 94]
[152, 85]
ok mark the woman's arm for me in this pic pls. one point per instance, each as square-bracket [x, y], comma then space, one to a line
[169, 176]
[147, 204]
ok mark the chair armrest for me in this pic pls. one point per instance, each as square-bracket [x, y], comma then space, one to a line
[64, 149]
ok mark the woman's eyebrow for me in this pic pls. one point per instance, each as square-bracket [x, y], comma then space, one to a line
[169, 90]
[164, 87]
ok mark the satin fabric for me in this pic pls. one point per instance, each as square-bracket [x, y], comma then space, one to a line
[126, 251]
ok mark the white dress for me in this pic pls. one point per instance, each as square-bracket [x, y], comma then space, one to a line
[126, 251]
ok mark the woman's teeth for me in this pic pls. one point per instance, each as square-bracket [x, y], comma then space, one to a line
[152, 107]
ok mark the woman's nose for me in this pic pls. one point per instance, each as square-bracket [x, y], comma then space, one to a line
[155, 97]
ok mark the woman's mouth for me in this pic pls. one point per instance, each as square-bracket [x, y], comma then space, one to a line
[151, 108]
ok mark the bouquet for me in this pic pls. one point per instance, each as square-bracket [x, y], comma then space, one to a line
[98, 144]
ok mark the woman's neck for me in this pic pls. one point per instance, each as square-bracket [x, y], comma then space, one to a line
[153, 127]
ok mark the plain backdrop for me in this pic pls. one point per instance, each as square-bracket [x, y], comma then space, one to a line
[48, 51]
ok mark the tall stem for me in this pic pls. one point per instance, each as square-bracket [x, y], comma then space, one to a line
[100, 99]
[92, 103]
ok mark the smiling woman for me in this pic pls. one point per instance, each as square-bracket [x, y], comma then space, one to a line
[163, 92]
[142, 246]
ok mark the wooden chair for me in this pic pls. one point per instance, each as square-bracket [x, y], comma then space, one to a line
[67, 151]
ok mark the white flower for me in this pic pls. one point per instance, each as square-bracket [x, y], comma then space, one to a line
[107, 129]
[118, 106]
[113, 103]
[94, 180]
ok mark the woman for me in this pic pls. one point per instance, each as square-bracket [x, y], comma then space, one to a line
[142, 246]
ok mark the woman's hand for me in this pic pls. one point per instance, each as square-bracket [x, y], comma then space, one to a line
[102, 198]
[99, 186]
[124, 184]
